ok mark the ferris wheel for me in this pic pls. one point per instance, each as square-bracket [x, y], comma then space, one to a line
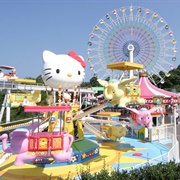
[140, 29]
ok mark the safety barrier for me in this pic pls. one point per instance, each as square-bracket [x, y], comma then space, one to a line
[171, 155]
[168, 141]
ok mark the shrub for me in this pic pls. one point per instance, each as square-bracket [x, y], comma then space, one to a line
[161, 171]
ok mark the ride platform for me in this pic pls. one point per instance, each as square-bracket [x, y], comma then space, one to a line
[83, 151]
[126, 153]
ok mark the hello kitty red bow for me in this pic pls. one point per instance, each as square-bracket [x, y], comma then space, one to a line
[75, 56]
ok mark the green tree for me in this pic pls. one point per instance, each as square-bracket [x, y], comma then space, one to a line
[85, 84]
[172, 81]
[39, 80]
[92, 83]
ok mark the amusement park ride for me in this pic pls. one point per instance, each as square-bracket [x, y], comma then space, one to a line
[11, 76]
[57, 135]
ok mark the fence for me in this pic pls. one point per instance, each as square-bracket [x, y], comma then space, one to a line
[165, 136]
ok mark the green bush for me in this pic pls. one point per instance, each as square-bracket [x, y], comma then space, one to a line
[168, 171]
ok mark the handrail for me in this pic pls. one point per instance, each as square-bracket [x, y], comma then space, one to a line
[36, 86]
[165, 154]
[16, 122]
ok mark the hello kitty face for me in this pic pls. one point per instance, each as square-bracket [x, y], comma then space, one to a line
[65, 70]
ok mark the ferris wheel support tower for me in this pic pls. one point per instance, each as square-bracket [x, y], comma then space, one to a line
[131, 50]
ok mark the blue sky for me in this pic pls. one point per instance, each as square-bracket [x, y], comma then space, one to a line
[28, 27]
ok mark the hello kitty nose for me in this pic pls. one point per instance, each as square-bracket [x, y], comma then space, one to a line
[69, 75]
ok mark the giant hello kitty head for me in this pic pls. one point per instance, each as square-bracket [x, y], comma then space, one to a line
[65, 70]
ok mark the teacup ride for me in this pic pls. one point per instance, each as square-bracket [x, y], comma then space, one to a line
[55, 145]
[112, 132]
[32, 145]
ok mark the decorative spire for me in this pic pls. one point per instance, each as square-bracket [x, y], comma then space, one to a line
[143, 73]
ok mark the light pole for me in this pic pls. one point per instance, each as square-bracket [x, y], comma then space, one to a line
[175, 130]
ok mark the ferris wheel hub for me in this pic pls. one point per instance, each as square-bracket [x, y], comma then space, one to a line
[130, 47]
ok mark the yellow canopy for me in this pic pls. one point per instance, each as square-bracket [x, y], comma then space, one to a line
[124, 66]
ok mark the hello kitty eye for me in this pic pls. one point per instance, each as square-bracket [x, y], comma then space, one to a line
[57, 71]
[79, 72]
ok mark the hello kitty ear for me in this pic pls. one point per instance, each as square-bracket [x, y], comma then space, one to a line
[78, 58]
[47, 55]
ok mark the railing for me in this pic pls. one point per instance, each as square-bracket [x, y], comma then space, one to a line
[171, 155]
[16, 122]
[162, 158]
[173, 146]
[36, 86]
[161, 132]
[23, 86]
[166, 136]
